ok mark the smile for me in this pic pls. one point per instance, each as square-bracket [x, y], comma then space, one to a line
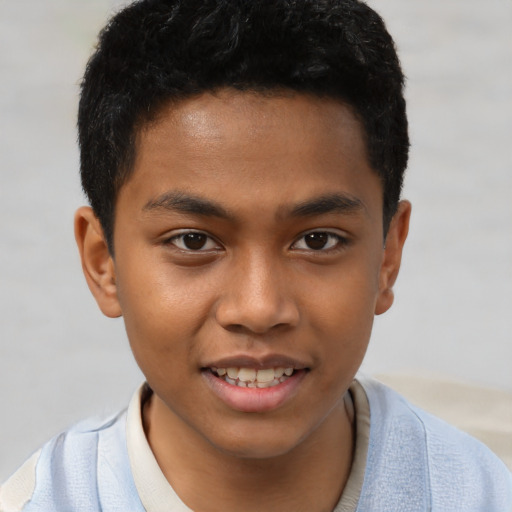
[255, 387]
[252, 378]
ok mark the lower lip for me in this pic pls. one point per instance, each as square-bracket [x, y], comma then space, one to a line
[254, 399]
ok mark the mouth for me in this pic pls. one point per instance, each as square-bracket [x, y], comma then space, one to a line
[256, 386]
[253, 378]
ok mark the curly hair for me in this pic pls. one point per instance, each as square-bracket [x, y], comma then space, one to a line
[154, 51]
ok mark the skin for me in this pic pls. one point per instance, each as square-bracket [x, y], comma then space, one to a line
[255, 174]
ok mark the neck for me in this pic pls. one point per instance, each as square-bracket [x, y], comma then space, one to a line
[310, 477]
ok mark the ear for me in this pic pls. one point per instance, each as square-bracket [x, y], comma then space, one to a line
[392, 256]
[97, 263]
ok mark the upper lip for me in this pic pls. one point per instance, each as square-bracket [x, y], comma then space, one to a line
[250, 361]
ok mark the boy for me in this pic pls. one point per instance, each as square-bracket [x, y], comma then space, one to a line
[244, 161]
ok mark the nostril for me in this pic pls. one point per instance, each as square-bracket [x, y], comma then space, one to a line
[256, 306]
[235, 328]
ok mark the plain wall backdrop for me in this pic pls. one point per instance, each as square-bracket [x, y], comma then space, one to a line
[60, 360]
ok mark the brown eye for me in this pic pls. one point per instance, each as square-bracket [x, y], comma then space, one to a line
[193, 241]
[321, 241]
[316, 241]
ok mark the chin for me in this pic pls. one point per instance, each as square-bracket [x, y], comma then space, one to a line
[260, 444]
[259, 450]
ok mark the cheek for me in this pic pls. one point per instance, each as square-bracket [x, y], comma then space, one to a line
[345, 301]
[343, 319]
[162, 312]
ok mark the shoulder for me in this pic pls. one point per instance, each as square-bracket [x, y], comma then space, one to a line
[84, 468]
[417, 457]
[18, 490]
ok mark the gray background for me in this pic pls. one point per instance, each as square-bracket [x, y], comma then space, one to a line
[60, 360]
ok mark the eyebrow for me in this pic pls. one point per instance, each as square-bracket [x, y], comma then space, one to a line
[331, 203]
[185, 203]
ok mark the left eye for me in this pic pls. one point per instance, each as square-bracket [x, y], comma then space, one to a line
[318, 241]
[193, 241]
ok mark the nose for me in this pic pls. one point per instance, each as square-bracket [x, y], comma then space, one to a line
[257, 298]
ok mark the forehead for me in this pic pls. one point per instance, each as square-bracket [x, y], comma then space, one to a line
[238, 146]
[248, 117]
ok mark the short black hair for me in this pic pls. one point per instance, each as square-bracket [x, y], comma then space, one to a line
[154, 51]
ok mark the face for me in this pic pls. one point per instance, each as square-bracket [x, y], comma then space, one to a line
[249, 264]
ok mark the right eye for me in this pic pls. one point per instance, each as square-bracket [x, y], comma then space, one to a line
[194, 241]
[320, 241]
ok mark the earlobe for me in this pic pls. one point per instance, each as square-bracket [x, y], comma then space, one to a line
[97, 263]
[392, 256]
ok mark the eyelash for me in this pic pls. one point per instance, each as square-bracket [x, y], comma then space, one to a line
[336, 241]
[208, 240]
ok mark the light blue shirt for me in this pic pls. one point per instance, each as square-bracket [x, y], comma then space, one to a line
[415, 462]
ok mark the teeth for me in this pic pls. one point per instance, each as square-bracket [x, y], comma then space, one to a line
[252, 378]
[232, 373]
[265, 375]
[265, 384]
[248, 374]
